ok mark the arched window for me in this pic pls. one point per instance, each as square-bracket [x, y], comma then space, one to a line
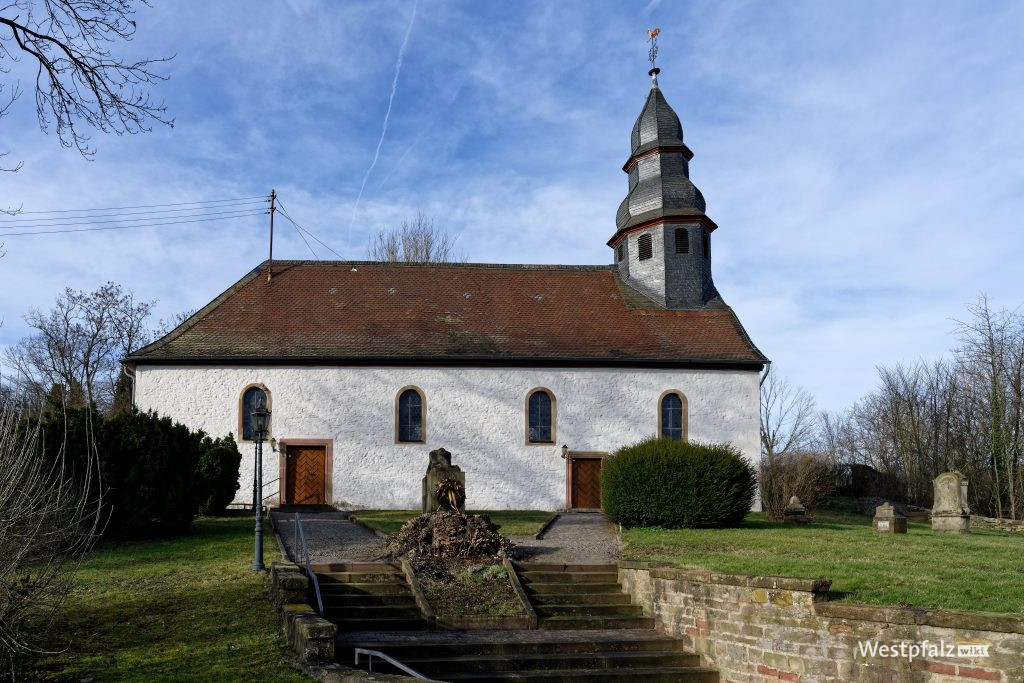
[540, 417]
[252, 395]
[410, 416]
[672, 417]
[682, 241]
[645, 247]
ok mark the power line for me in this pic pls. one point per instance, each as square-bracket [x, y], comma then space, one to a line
[129, 220]
[284, 213]
[147, 206]
[17, 221]
[209, 217]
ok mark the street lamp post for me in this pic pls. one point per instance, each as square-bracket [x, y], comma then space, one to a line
[259, 428]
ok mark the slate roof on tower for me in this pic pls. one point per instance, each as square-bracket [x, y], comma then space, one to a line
[658, 167]
[369, 312]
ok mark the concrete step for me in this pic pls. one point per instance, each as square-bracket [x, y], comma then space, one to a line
[576, 588]
[575, 568]
[539, 599]
[342, 600]
[372, 612]
[356, 567]
[686, 674]
[345, 624]
[569, 622]
[557, 643]
[361, 577]
[569, 577]
[499, 663]
[589, 611]
[364, 588]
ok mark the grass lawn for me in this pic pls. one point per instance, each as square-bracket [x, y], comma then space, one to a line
[186, 608]
[511, 522]
[982, 571]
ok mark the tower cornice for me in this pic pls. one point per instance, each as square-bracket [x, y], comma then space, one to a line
[652, 148]
[668, 217]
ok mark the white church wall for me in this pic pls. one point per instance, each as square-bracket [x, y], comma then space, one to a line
[478, 414]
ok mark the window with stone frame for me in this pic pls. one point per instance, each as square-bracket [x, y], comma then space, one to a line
[682, 241]
[672, 422]
[540, 418]
[409, 410]
[645, 247]
[252, 397]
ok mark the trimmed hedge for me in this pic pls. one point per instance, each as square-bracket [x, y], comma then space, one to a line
[672, 484]
[217, 474]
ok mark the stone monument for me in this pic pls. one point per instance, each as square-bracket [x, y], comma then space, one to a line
[950, 513]
[888, 520]
[440, 467]
[795, 513]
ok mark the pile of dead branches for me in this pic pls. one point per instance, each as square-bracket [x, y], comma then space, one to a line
[444, 540]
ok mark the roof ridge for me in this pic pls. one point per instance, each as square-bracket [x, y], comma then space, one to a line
[436, 264]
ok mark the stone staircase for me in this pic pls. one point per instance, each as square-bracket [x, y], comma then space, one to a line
[368, 596]
[588, 631]
[567, 656]
[580, 596]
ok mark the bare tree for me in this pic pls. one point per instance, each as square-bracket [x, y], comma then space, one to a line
[80, 84]
[788, 417]
[48, 522]
[78, 345]
[416, 241]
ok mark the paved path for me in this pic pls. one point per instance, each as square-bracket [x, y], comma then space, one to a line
[330, 538]
[574, 538]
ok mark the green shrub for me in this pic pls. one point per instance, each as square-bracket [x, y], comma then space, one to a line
[149, 465]
[217, 474]
[661, 482]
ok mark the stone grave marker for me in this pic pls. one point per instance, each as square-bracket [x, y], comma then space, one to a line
[795, 513]
[888, 520]
[439, 467]
[950, 512]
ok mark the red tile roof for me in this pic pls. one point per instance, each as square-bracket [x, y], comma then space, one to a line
[374, 312]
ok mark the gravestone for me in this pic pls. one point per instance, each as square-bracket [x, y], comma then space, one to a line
[439, 467]
[888, 521]
[795, 513]
[950, 512]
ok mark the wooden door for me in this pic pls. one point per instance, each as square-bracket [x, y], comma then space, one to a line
[586, 483]
[306, 475]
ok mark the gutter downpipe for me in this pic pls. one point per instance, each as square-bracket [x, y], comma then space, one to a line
[767, 369]
[131, 375]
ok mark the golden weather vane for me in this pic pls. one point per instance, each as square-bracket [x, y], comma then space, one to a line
[652, 36]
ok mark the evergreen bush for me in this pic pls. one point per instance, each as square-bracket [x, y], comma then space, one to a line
[672, 484]
[217, 474]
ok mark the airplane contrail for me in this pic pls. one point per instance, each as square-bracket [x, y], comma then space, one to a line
[387, 113]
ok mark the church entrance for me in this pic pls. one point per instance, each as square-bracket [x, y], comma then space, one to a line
[305, 480]
[584, 485]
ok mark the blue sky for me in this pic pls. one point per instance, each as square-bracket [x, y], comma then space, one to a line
[864, 160]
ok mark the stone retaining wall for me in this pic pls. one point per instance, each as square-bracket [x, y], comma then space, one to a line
[1015, 526]
[759, 629]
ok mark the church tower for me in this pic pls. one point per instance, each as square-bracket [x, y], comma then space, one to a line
[662, 242]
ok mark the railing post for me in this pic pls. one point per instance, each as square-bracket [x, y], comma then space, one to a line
[295, 544]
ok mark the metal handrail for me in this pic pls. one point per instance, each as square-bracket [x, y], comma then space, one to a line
[370, 654]
[309, 568]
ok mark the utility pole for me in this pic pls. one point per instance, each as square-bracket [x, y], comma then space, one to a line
[273, 208]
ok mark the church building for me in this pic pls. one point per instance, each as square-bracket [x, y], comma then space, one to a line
[528, 374]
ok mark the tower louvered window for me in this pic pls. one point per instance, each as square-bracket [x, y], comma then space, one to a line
[682, 241]
[622, 252]
[707, 244]
[645, 247]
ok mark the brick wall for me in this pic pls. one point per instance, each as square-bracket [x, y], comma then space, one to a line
[759, 629]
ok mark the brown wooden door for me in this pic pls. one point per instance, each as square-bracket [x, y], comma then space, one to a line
[306, 475]
[586, 482]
